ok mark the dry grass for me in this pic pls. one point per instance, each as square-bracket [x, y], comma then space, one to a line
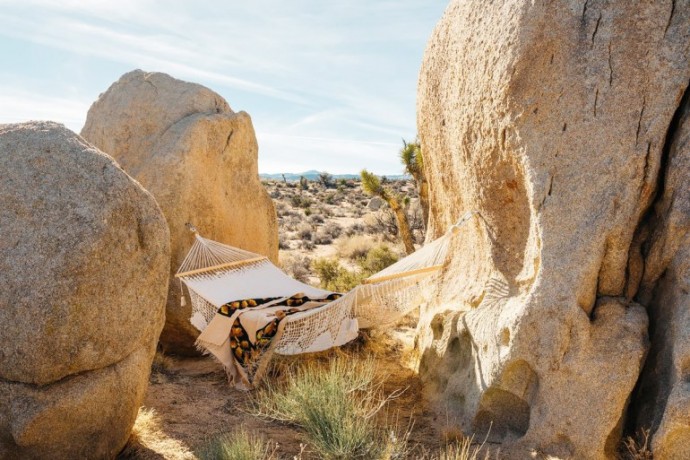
[148, 441]
[356, 246]
[462, 450]
[336, 404]
[637, 447]
[238, 445]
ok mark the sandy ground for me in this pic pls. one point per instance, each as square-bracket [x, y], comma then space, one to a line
[191, 401]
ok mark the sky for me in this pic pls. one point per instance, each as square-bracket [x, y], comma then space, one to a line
[330, 85]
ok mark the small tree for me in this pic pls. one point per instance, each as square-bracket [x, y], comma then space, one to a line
[372, 186]
[411, 157]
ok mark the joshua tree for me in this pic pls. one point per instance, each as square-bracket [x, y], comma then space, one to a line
[372, 186]
[412, 159]
[303, 183]
[325, 179]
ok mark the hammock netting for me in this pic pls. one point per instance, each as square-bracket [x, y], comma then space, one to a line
[229, 288]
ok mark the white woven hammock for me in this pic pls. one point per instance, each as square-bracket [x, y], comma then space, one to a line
[216, 274]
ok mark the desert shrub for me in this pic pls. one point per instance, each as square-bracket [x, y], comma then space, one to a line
[281, 208]
[357, 212]
[355, 246]
[283, 211]
[331, 198]
[292, 223]
[299, 201]
[304, 232]
[333, 229]
[316, 219]
[325, 211]
[322, 237]
[297, 267]
[354, 229]
[275, 194]
[327, 270]
[335, 277]
[335, 404]
[237, 445]
[283, 243]
[461, 450]
[382, 222]
[377, 259]
[307, 245]
[307, 212]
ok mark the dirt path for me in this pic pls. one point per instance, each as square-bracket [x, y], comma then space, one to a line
[191, 401]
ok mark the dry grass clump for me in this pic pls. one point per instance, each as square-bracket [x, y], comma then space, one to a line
[148, 441]
[297, 267]
[355, 246]
[336, 405]
[461, 450]
[237, 445]
[636, 447]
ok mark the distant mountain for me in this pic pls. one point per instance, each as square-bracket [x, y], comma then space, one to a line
[314, 175]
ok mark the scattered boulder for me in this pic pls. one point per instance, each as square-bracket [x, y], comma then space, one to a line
[375, 203]
[553, 121]
[199, 159]
[83, 268]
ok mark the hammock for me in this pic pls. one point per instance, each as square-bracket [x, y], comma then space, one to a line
[237, 295]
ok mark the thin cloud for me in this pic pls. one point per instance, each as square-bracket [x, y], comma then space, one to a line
[319, 78]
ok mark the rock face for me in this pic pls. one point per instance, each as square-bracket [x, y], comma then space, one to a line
[83, 268]
[560, 124]
[663, 399]
[199, 159]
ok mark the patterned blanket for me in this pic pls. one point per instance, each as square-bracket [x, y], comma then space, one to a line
[243, 330]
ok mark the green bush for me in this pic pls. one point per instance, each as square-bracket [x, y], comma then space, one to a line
[377, 259]
[335, 405]
[335, 277]
[298, 201]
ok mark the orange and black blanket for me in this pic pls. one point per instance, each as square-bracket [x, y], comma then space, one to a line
[242, 331]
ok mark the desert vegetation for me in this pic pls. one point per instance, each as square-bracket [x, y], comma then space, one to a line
[333, 234]
[354, 403]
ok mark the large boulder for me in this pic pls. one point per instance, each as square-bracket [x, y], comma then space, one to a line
[199, 159]
[554, 121]
[663, 399]
[83, 268]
